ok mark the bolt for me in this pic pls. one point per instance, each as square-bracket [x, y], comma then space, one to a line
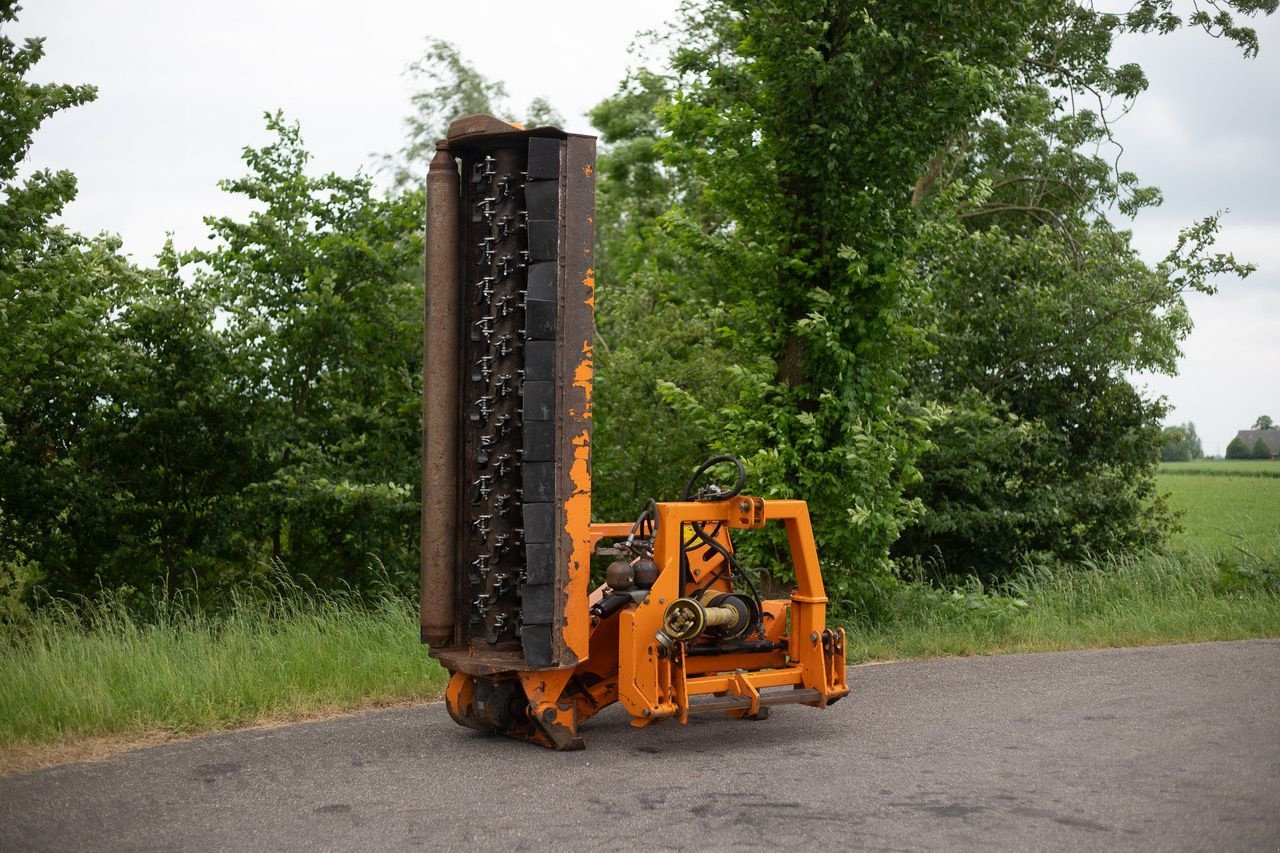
[813, 636]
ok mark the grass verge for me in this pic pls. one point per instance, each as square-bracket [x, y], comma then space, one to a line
[1146, 599]
[98, 674]
[87, 681]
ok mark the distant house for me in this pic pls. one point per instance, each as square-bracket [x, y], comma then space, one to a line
[1270, 437]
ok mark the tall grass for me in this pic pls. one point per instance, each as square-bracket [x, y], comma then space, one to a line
[94, 668]
[1120, 601]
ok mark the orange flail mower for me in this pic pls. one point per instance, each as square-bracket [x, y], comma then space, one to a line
[678, 625]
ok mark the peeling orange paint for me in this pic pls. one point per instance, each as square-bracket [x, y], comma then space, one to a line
[582, 377]
[590, 284]
[577, 629]
[587, 170]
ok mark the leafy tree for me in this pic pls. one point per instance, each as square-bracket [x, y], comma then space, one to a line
[1264, 422]
[1237, 449]
[875, 196]
[662, 336]
[53, 306]
[796, 132]
[1039, 309]
[450, 88]
[1044, 339]
[1180, 443]
[1174, 446]
[174, 440]
[117, 413]
[1193, 439]
[1260, 449]
[321, 292]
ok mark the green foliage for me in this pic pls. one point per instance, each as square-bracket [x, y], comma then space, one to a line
[1260, 449]
[1038, 310]
[160, 432]
[58, 293]
[1247, 576]
[868, 247]
[1215, 18]
[670, 354]
[1180, 443]
[125, 445]
[974, 267]
[863, 206]
[1237, 449]
[790, 135]
[29, 204]
[1264, 422]
[321, 292]
[449, 88]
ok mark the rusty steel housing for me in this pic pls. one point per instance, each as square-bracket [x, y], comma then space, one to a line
[507, 535]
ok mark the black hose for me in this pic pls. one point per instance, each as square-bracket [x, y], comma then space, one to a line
[649, 514]
[716, 495]
[610, 605]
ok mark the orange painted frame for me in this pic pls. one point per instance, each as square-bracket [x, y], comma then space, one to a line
[626, 663]
[653, 685]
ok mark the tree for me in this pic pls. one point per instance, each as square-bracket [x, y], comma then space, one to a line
[450, 88]
[1197, 449]
[876, 199]
[115, 410]
[1040, 308]
[1174, 446]
[1237, 449]
[801, 129]
[53, 305]
[1264, 422]
[1179, 443]
[174, 440]
[662, 337]
[1260, 449]
[321, 291]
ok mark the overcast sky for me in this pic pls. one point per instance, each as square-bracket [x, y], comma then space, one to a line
[183, 86]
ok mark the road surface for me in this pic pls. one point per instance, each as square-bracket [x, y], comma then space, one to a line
[1172, 748]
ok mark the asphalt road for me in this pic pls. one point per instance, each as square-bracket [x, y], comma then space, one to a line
[1173, 748]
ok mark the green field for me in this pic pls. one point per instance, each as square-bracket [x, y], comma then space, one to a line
[1229, 506]
[1225, 468]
